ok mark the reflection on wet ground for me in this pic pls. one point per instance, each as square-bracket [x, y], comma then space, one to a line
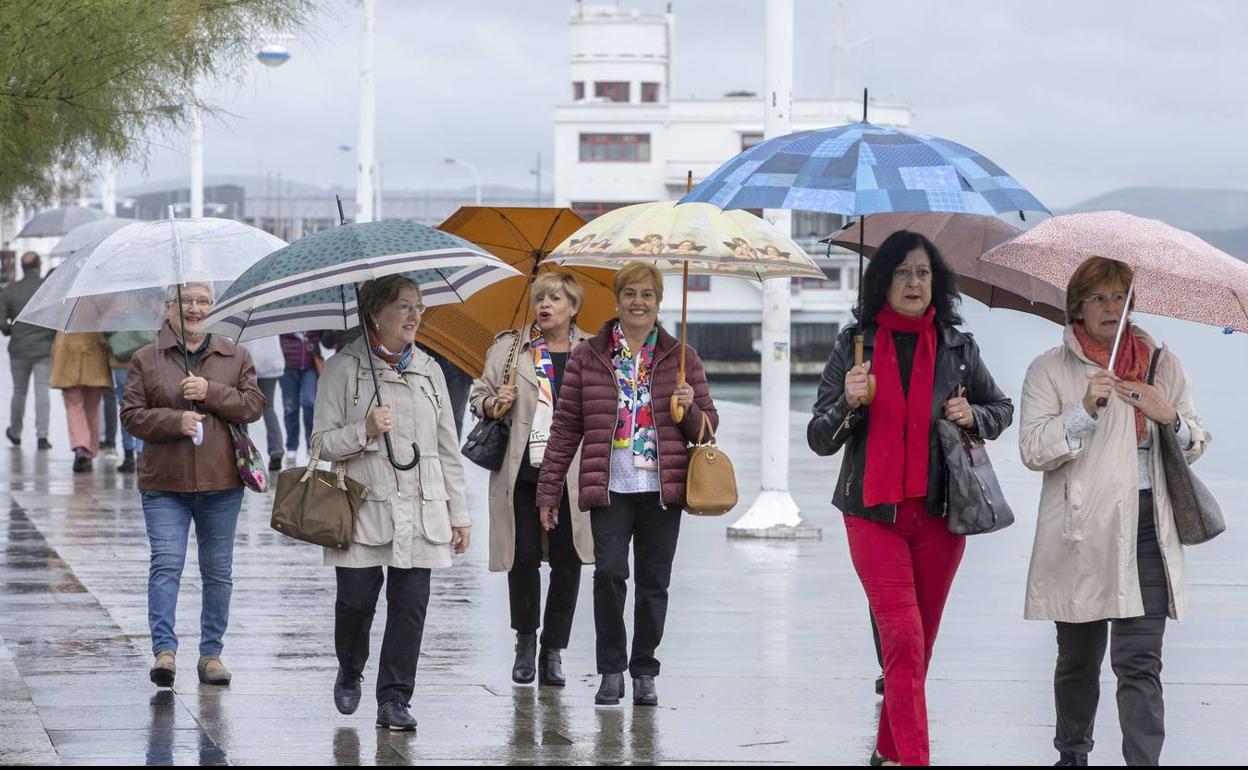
[767, 656]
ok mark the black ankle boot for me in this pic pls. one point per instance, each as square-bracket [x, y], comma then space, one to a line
[127, 463]
[550, 668]
[611, 690]
[1070, 759]
[524, 669]
[644, 692]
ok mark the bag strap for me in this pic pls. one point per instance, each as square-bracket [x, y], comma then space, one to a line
[704, 429]
[1152, 365]
[314, 457]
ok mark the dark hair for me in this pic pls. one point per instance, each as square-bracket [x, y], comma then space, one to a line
[879, 276]
[379, 292]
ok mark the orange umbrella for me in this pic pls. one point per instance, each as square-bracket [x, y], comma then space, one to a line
[521, 237]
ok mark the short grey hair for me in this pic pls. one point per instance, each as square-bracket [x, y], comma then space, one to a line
[171, 294]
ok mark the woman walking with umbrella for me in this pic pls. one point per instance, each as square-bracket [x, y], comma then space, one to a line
[411, 520]
[529, 400]
[893, 475]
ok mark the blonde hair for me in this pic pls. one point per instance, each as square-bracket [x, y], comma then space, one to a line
[636, 272]
[1095, 272]
[553, 281]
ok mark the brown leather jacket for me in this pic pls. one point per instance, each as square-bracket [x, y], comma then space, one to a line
[152, 410]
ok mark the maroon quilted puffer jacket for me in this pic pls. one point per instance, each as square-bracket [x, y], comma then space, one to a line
[589, 407]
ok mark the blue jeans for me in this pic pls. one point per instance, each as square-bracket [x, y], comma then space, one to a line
[128, 443]
[168, 517]
[298, 390]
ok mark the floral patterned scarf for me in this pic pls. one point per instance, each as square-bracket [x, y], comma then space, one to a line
[544, 414]
[397, 361]
[634, 427]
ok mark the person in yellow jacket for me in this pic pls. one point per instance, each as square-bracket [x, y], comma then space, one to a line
[80, 371]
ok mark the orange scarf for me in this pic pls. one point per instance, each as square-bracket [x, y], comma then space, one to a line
[1132, 364]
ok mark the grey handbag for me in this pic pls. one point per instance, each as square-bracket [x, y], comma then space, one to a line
[1197, 515]
[974, 503]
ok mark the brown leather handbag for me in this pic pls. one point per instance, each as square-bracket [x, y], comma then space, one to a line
[711, 485]
[317, 506]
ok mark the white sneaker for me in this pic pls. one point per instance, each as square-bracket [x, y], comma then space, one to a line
[290, 460]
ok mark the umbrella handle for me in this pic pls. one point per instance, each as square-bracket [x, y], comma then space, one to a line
[393, 461]
[502, 409]
[859, 341]
[678, 411]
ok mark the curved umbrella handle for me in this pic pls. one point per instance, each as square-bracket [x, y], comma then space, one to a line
[394, 461]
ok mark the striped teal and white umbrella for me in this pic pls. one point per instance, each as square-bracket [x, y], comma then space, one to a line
[310, 284]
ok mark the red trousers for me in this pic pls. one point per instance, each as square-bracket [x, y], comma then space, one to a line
[906, 569]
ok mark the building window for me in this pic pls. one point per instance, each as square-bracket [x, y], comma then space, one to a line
[578, 90]
[612, 91]
[597, 148]
[649, 92]
[812, 342]
[749, 140]
[815, 224]
[699, 283]
[590, 209]
[832, 281]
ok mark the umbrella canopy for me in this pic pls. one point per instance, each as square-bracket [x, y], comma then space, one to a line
[310, 284]
[860, 169]
[1177, 274]
[962, 240]
[521, 237]
[59, 221]
[85, 236]
[120, 283]
[710, 241]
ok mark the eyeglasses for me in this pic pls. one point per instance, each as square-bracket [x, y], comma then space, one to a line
[1101, 300]
[407, 308]
[189, 302]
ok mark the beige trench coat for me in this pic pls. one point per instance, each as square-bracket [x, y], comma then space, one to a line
[406, 518]
[519, 419]
[80, 359]
[1083, 565]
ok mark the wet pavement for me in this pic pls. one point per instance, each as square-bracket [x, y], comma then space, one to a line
[767, 656]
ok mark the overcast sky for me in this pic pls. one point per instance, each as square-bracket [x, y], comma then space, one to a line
[1074, 98]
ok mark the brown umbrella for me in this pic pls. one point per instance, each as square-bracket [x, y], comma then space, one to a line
[962, 240]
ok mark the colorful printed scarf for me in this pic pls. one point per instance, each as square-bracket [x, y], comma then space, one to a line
[544, 414]
[397, 361]
[634, 427]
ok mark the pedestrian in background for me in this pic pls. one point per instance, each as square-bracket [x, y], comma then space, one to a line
[270, 363]
[303, 360]
[80, 371]
[122, 347]
[30, 353]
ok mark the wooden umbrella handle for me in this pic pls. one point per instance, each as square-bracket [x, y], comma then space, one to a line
[678, 411]
[858, 360]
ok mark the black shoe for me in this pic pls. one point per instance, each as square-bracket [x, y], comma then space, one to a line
[550, 668]
[393, 714]
[127, 464]
[1070, 759]
[644, 693]
[275, 463]
[44, 444]
[879, 685]
[611, 690]
[14, 439]
[878, 760]
[524, 670]
[347, 692]
[82, 463]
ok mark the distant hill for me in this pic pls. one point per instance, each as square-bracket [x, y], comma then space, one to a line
[1218, 216]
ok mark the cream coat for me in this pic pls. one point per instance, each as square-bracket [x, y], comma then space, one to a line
[519, 419]
[1083, 565]
[406, 518]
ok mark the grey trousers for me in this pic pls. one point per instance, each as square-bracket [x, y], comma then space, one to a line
[272, 423]
[22, 368]
[1135, 655]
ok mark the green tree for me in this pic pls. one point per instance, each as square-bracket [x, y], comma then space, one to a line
[85, 81]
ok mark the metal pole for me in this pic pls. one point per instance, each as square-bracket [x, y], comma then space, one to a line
[368, 113]
[197, 162]
[774, 514]
[108, 190]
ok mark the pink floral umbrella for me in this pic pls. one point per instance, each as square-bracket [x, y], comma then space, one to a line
[1177, 274]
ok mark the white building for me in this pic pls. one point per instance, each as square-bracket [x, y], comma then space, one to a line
[622, 139]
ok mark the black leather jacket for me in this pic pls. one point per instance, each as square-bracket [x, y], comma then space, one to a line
[836, 425]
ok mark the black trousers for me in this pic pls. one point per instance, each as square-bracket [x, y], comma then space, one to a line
[524, 581]
[653, 531]
[407, 600]
[1135, 655]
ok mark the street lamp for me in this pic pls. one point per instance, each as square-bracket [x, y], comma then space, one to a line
[476, 178]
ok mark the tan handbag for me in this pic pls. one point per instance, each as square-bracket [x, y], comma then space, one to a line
[317, 506]
[711, 485]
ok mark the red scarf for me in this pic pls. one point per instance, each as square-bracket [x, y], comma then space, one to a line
[1134, 358]
[897, 434]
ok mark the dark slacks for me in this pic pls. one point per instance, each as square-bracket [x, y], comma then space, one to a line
[1135, 655]
[524, 581]
[407, 600]
[653, 531]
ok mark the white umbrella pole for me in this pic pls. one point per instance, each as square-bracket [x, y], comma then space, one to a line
[1122, 325]
[368, 112]
[774, 513]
